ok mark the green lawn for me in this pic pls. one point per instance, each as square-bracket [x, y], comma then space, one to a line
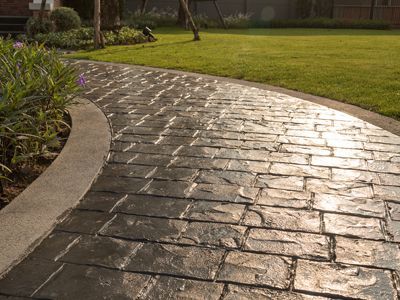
[361, 67]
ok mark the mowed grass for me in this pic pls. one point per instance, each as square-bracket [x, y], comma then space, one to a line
[360, 67]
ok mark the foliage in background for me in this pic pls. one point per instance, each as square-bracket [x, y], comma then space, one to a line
[36, 87]
[83, 38]
[35, 26]
[326, 23]
[153, 18]
[321, 8]
[65, 18]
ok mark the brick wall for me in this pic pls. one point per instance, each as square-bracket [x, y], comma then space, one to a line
[15, 8]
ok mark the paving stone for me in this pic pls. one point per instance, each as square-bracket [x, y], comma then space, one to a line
[82, 221]
[385, 139]
[199, 163]
[153, 206]
[343, 281]
[394, 211]
[122, 170]
[101, 251]
[256, 145]
[118, 185]
[151, 159]
[351, 189]
[235, 292]
[248, 166]
[176, 288]
[389, 179]
[27, 277]
[176, 140]
[344, 144]
[226, 177]
[284, 198]
[55, 244]
[352, 226]
[260, 137]
[228, 193]
[339, 162]
[215, 211]
[197, 151]
[183, 174]
[144, 228]
[300, 170]
[293, 183]
[102, 201]
[212, 234]
[280, 218]
[394, 230]
[382, 147]
[256, 269]
[352, 153]
[178, 189]
[387, 192]
[219, 143]
[193, 262]
[305, 245]
[254, 155]
[367, 253]
[302, 141]
[305, 149]
[289, 158]
[303, 133]
[153, 149]
[342, 204]
[83, 282]
[132, 138]
[354, 176]
[387, 156]
[384, 167]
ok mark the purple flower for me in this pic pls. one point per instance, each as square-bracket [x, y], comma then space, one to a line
[18, 45]
[81, 80]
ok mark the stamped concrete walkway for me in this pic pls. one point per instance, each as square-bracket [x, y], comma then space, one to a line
[215, 190]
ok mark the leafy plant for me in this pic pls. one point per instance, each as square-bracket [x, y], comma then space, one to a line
[35, 26]
[65, 18]
[36, 87]
[83, 38]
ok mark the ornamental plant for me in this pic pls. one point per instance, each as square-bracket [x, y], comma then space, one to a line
[36, 87]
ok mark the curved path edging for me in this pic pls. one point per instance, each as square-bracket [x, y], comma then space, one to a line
[33, 214]
[376, 119]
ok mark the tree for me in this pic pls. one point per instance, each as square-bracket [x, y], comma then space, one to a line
[188, 15]
[41, 11]
[98, 37]
[111, 16]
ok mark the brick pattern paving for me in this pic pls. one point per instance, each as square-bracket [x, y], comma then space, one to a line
[219, 191]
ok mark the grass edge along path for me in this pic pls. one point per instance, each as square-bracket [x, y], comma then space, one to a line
[359, 67]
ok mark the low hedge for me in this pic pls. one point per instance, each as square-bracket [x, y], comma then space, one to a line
[83, 38]
[324, 23]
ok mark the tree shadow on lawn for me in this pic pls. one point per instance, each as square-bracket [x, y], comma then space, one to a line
[285, 32]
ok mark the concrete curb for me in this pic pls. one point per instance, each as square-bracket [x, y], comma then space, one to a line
[34, 213]
[376, 119]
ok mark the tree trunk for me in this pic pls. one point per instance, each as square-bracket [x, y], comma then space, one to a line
[143, 8]
[182, 19]
[98, 39]
[372, 9]
[41, 11]
[313, 11]
[190, 20]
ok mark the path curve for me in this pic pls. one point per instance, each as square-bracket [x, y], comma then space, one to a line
[216, 190]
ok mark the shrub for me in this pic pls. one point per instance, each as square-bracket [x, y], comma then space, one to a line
[324, 23]
[35, 26]
[83, 38]
[65, 19]
[154, 18]
[238, 21]
[35, 89]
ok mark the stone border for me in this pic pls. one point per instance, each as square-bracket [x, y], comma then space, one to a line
[33, 214]
[376, 119]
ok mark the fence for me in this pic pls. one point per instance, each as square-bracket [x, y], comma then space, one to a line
[381, 12]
